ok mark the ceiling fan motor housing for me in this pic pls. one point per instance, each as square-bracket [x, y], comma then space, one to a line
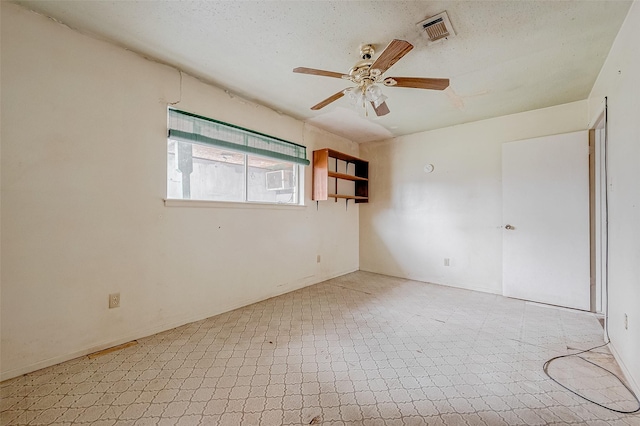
[360, 73]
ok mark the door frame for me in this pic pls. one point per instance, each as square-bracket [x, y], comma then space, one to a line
[598, 209]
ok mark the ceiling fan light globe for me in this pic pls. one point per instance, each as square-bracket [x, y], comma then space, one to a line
[374, 89]
[375, 95]
[354, 95]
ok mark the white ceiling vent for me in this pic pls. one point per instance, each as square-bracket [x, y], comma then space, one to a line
[437, 28]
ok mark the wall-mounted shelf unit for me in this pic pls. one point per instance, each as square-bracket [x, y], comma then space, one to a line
[330, 168]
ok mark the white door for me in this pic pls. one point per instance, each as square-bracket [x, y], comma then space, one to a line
[545, 190]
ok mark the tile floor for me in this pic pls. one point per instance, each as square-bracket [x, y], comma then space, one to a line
[362, 349]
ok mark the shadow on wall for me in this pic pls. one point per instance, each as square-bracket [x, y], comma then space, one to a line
[375, 255]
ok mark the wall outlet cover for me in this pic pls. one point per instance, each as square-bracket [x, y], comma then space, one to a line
[114, 300]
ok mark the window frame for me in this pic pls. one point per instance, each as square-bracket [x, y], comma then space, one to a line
[247, 153]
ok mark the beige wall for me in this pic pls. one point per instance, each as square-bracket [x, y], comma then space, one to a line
[83, 180]
[618, 81]
[415, 220]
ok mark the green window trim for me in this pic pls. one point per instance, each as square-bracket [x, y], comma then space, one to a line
[192, 128]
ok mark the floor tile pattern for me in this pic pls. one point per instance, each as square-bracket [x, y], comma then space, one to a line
[362, 349]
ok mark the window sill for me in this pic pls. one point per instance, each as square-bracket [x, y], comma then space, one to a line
[230, 204]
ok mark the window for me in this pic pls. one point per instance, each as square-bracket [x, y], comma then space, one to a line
[215, 161]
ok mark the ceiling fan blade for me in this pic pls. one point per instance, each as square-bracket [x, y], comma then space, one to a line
[417, 82]
[327, 101]
[382, 109]
[391, 54]
[313, 71]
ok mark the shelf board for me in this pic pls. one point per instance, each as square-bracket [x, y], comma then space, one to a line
[346, 177]
[348, 197]
[342, 156]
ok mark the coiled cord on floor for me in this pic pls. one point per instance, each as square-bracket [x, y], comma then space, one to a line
[545, 367]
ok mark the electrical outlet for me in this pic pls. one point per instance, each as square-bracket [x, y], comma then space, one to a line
[626, 322]
[446, 261]
[114, 300]
[318, 259]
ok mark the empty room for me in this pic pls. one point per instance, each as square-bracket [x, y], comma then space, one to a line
[319, 212]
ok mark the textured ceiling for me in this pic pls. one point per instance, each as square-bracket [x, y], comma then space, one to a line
[508, 56]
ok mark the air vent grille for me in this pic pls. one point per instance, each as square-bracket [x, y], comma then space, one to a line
[437, 28]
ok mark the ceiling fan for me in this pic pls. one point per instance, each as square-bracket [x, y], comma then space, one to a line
[367, 73]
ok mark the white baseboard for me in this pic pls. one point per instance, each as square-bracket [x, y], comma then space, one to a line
[627, 375]
[423, 280]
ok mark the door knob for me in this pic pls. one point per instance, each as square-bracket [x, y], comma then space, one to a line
[509, 227]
